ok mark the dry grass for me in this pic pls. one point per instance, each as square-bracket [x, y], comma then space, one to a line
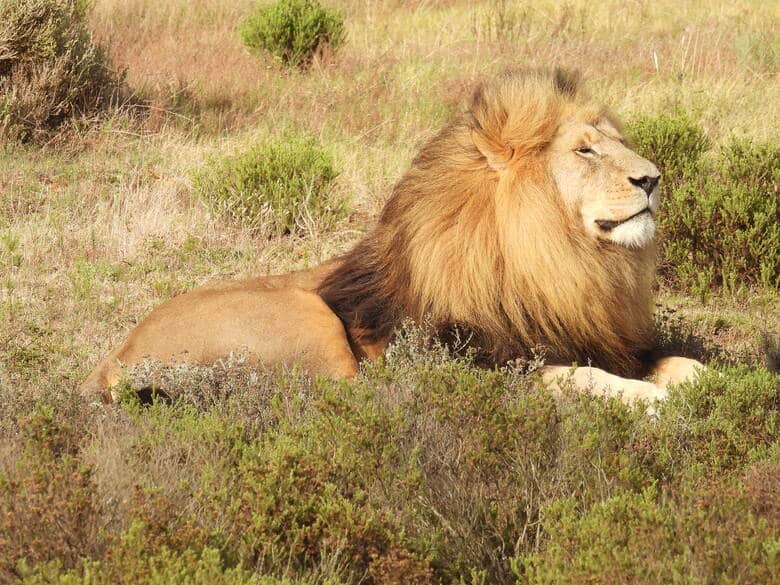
[639, 55]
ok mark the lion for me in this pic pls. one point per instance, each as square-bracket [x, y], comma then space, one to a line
[526, 222]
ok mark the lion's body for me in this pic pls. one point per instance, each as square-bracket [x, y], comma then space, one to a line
[271, 320]
[497, 228]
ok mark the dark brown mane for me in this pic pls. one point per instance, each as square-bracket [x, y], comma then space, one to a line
[365, 293]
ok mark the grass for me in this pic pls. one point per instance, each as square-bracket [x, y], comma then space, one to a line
[481, 476]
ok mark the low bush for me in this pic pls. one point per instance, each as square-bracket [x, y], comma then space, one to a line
[47, 506]
[650, 538]
[720, 210]
[51, 71]
[164, 567]
[293, 31]
[674, 141]
[277, 186]
[423, 470]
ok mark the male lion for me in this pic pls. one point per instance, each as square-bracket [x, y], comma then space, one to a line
[527, 222]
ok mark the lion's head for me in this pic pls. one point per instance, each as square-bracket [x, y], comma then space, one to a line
[599, 181]
[613, 190]
[527, 220]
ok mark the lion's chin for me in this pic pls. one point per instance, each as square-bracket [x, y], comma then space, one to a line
[637, 232]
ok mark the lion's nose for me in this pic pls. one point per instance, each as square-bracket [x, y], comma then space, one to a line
[647, 183]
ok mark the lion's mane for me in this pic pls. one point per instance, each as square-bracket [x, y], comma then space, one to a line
[462, 244]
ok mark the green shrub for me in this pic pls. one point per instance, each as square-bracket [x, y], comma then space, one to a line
[674, 141]
[47, 508]
[650, 538]
[293, 31]
[720, 213]
[726, 421]
[422, 470]
[274, 186]
[164, 567]
[50, 69]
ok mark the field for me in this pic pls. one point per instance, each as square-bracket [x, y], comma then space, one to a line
[426, 469]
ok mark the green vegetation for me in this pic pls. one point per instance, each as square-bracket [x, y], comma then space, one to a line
[675, 142]
[50, 69]
[278, 185]
[720, 213]
[426, 470]
[293, 31]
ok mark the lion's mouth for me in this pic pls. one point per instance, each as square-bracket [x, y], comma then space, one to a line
[609, 224]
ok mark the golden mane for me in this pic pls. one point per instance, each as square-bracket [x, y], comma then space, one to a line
[475, 236]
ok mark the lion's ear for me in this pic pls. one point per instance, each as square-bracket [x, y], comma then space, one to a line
[497, 155]
[488, 118]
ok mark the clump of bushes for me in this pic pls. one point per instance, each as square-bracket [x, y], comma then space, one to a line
[51, 71]
[675, 142]
[423, 470]
[275, 186]
[654, 537]
[49, 491]
[293, 31]
[720, 213]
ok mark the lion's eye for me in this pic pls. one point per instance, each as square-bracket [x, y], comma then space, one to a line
[586, 150]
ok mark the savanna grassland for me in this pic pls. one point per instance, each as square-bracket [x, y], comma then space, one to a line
[425, 469]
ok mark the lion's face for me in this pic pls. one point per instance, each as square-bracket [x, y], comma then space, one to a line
[613, 190]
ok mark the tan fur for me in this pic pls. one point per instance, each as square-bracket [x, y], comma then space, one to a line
[477, 236]
[274, 320]
[674, 370]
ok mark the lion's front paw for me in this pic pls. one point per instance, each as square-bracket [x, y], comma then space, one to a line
[674, 370]
[639, 390]
[645, 391]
